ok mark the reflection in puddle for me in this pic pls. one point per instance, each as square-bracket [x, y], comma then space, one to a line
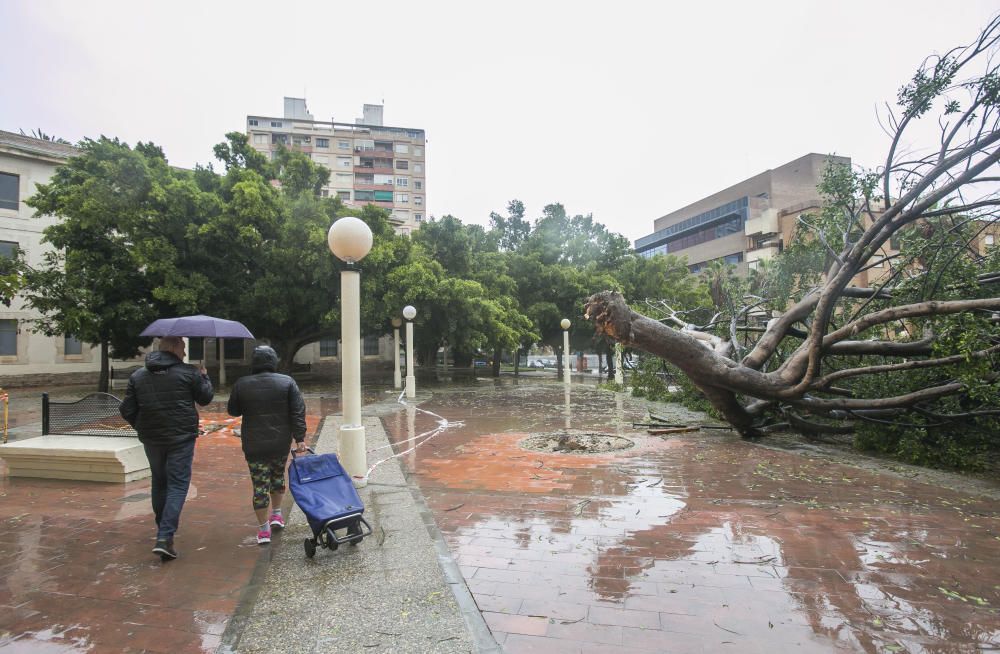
[700, 534]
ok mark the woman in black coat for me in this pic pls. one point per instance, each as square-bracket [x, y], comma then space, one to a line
[274, 414]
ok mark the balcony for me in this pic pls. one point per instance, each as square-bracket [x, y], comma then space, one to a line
[361, 186]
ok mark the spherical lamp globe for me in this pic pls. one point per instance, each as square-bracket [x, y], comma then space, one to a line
[565, 323]
[397, 323]
[350, 239]
[409, 312]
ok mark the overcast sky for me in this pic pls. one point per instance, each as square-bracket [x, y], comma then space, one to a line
[626, 110]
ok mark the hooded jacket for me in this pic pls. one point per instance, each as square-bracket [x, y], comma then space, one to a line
[159, 401]
[272, 407]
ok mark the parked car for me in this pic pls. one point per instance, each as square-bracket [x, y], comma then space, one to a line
[537, 363]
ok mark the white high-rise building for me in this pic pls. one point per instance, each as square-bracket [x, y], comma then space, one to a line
[368, 161]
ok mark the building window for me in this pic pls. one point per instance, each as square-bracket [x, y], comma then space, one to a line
[8, 250]
[371, 346]
[418, 151]
[279, 138]
[301, 140]
[418, 184]
[344, 162]
[261, 139]
[322, 143]
[989, 239]
[344, 195]
[344, 145]
[418, 168]
[418, 200]
[365, 196]
[328, 347]
[253, 122]
[234, 348]
[8, 338]
[402, 164]
[321, 159]
[402, 148]
[403, 181]
[385, 180]
[402, 197]
[275, 123]
[383, 196]
[419, 217]
[72, 346]
[9, 191]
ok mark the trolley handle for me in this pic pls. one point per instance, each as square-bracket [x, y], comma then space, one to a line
[308, 449]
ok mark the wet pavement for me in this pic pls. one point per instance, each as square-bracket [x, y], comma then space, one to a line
[694, 542]
[77, 573]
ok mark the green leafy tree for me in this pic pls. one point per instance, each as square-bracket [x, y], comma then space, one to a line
[100, 282]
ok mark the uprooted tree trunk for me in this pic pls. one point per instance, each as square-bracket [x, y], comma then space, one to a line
[926, 316]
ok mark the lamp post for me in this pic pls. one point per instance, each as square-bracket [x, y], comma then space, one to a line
[619, 375]
[411, 381]
[396, 379]
[350, 240]
[565, 325]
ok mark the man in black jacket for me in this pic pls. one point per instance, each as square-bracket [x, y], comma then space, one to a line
[274, 414]
[159, 403]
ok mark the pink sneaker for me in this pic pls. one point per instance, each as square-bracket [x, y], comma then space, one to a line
[263, 537]
[277, 522]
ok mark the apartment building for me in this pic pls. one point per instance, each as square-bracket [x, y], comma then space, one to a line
[744, 223]
[369, 162]
[26, 357]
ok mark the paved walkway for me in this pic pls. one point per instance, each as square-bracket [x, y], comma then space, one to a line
[692, 543]
[696, 542]
[77, 573]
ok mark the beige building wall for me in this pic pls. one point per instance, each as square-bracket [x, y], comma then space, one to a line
[765, 198]
[38, 358]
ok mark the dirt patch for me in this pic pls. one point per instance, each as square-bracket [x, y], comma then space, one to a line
[576, 442]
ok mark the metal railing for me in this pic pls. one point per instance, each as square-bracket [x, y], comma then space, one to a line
[94, 415]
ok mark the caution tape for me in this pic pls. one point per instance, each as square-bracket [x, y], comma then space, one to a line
[442, 425]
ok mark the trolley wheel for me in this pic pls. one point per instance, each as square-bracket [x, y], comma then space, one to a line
[331, 540]
[310, 547]
[355, 530]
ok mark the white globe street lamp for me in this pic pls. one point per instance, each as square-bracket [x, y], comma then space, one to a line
[619, 375]
[397, 380]
[565, 323]
[350, 239]
[411, 381]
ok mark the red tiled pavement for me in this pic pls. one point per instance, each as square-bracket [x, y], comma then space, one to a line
[698, 542]
[77, 573]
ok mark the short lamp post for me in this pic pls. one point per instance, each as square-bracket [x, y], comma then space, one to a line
[350, 240]
[411, 381]
[397, 380]
[565, 325]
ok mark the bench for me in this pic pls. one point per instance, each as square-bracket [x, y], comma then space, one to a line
[121, 375]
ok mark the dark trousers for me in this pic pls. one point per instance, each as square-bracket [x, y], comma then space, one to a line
[170, 466]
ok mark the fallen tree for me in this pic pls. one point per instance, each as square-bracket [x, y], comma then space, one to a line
[883, 307]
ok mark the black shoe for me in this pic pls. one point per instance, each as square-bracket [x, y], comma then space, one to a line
[165, 548]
